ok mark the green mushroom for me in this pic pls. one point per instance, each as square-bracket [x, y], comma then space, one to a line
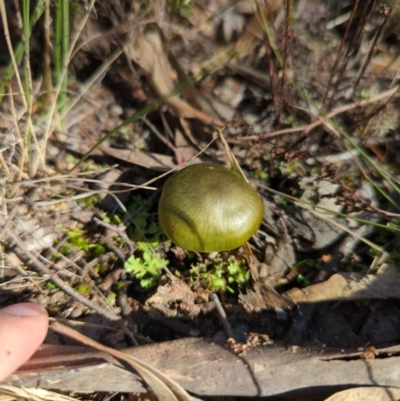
[209, 208]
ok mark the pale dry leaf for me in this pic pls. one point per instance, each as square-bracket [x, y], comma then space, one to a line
[352, 286]
[333, 289]
[37, 238]
[384, 64]
[185, 147]
[235, 52]
[231, 22]
[8, 393]
[191, 94]
[382, 285]
[367, 394]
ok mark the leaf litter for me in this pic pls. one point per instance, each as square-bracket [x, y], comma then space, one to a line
[146, 74]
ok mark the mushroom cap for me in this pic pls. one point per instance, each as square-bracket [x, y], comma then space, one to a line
[209, 208]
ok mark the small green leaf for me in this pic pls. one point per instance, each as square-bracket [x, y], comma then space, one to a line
[136, 266]
[185, 12]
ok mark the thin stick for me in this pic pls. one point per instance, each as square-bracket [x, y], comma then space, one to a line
[387, 13]
[24, 253]
[271, 65]
[340, 50]
[120, 230]
[285, 58]
[232, 159]
[222, 315]
[160, 136]
[95, 77]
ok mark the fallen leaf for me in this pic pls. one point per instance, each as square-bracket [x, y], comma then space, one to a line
[367, 394]
[345, 286]
[146, 50]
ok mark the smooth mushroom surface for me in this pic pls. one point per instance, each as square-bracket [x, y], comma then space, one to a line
[209, 208]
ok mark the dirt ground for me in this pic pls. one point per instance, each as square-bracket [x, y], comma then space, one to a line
[306, 96]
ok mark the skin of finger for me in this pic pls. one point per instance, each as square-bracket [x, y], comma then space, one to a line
[20, 337]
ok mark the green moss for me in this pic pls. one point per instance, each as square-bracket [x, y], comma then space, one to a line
[281, 201]
[64, 249]
[83, 289]
[261, 176]
[50, 286]
[114, 219]
[146, 221]
[78, 238]
[119, 285]
[219, 275]
[100, 269]
[182, 7]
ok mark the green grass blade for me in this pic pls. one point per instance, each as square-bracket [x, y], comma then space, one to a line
[19, 49]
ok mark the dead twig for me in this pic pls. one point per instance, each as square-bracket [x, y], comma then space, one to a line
[387, 12]
[222, 316]
[161, 137]
[322, 120]
[284, 62]
[24, 254]
[120, 230]
[272, 71]
[340, 52]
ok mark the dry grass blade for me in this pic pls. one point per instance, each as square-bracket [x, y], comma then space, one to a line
[96, 77]
[231, 157]
[8, 393]
[7, 37]
[165, 388]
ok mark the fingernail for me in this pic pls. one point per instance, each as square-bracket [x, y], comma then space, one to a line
[24, 310]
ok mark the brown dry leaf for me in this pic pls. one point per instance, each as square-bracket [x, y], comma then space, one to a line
[150, 160]
[367, 394]
[264, 297]
[194, 96]
[174, 298]
[243, 47]
[184, 144]
[165, 388]
[333, 289]
[384, 64]
[147, 52]
[186, 131]
[153, 161]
